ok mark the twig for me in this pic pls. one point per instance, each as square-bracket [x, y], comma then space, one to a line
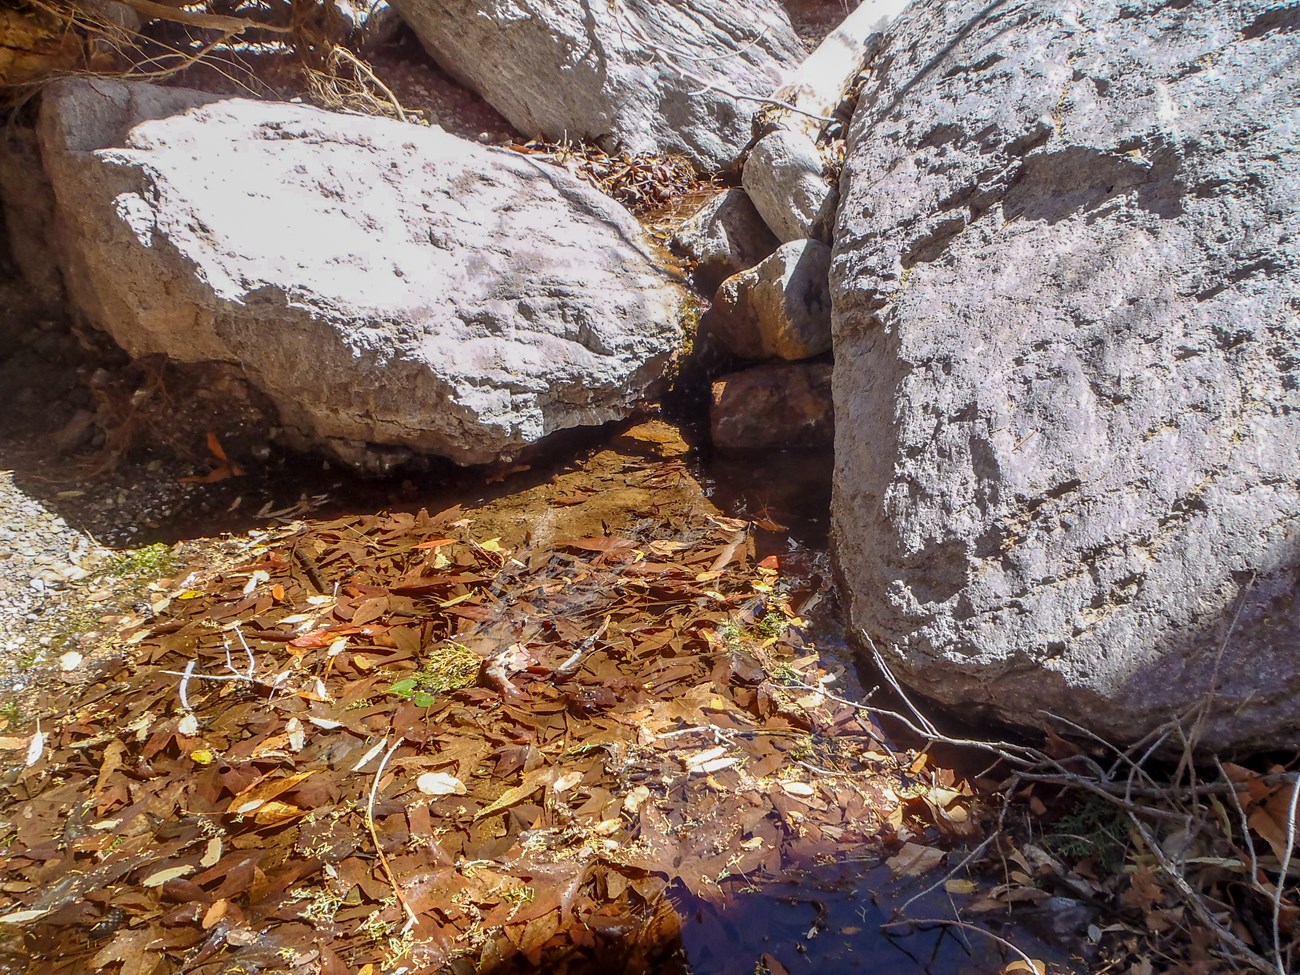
[1245, 825]
[1281, 880]
[893, 682]
[313, 572]
[1205, 703]
[411, 919]
[1197, 904]
[966, 926]
[969, 859]
[184, 689]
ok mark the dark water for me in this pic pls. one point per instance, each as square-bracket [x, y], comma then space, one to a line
[830, 919]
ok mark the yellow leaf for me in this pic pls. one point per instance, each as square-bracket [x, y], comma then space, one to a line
[202, 756]
[162, 876]
[956, 886]
[532, 782]
[1020, 965]
[275, 813]
[255, 796]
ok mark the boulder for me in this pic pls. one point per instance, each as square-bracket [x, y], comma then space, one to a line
[784, 176]
[723, 237]
[638, 76]
[780, 309]
[776, 406]
[1067, 379]
[391, 288]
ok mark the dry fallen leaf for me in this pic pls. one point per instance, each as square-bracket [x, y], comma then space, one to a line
[440, 784]
[254, 797]
[170, 873]
[37, 746]
[913, 860]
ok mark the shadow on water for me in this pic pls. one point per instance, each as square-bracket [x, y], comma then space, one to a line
[831, 918]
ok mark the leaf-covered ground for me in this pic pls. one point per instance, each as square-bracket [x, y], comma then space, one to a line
[472, 737]
[577, 727]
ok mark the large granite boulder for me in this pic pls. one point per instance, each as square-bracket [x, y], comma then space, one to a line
[391, 288]
[638, 75]
[1066, 291]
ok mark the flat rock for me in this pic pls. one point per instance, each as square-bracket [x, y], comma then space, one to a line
[391, 288]
[780, 309]
[776, 406]
[638, 76]
[1067, 377]
[723, 237]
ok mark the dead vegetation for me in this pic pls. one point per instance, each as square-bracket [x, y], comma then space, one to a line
[1188, 861]
[387, 739]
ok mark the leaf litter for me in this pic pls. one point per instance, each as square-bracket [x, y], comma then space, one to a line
[447, 740]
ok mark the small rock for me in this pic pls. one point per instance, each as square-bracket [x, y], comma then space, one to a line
[772, 407]
[70, 661]
[779, 309]
[783, 176]
[724, 237]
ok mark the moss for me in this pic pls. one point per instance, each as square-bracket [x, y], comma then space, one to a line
[155, 561]
[449, 667]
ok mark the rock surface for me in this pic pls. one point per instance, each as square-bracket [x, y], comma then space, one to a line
[780, 309]
[724, 237]
[1066, 287]
[773, 407]
[391, 289]
[783, 176]
[27, 205]
[640, 75]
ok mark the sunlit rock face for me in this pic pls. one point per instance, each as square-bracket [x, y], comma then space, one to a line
[393, 289]
[638, 75]
[1066, 290]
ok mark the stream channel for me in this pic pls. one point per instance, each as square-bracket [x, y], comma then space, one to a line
[826, 917]
[827, 913]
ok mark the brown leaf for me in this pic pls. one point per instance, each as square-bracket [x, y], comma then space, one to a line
[1270, 821]
[913, 860]
[534, 780]
[131, 947]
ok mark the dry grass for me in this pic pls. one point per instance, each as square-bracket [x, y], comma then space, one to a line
[301, 44]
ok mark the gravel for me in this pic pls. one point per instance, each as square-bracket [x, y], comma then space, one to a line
[41, 555]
